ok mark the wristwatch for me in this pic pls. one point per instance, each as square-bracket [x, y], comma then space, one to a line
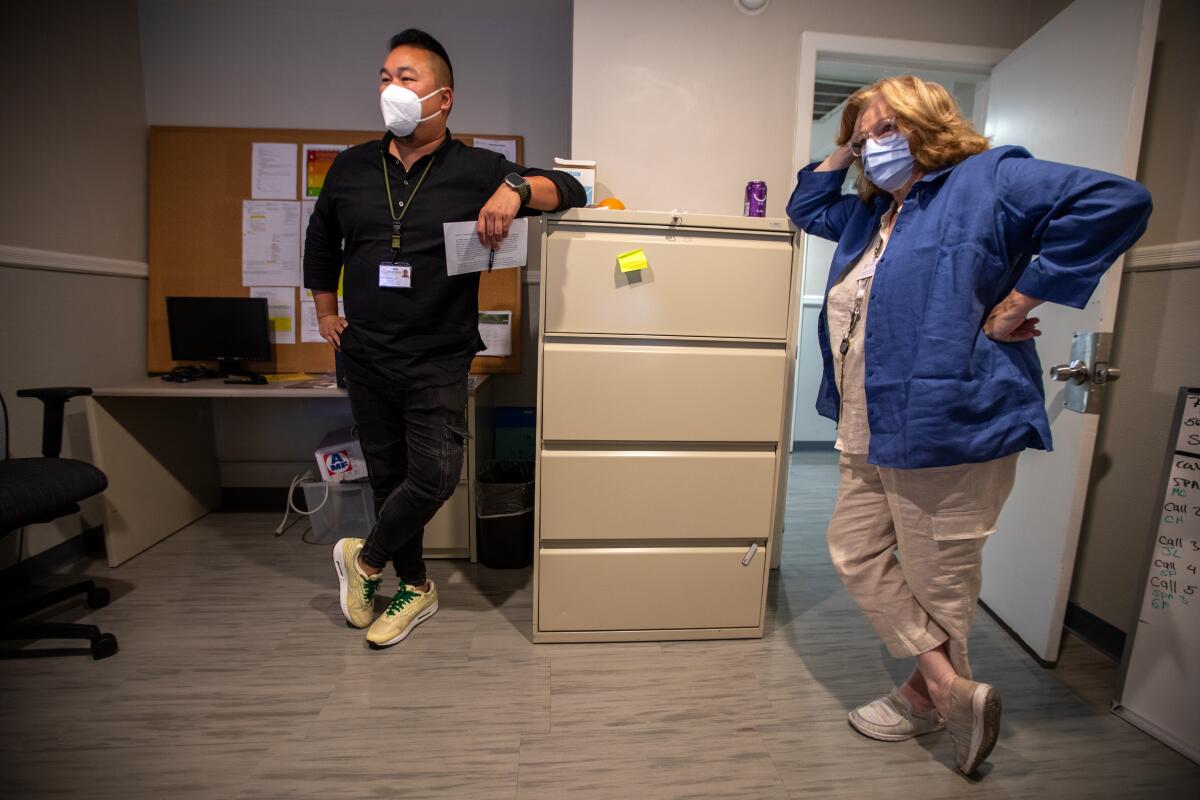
[518, 185]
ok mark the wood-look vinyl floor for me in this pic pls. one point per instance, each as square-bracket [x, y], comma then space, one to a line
[237, 678]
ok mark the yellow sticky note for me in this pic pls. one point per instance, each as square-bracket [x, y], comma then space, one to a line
[282, 324]
[341, 278]
[633, 261]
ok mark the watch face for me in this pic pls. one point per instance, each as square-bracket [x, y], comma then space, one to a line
[514, 180]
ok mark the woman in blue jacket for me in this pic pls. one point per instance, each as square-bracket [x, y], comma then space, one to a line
[950, 245]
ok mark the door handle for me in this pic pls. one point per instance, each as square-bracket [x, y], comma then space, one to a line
[1087, 373]
[1076, 372]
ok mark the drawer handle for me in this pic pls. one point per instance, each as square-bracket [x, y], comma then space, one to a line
[746, 559]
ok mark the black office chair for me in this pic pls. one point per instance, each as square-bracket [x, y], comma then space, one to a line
[41, 490]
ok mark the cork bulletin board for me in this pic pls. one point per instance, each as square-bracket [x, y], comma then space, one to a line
[198, 180]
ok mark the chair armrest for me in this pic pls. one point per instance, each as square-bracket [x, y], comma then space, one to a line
[54, 399]
[63, 393]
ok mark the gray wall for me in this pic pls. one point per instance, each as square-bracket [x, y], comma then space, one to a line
[1155, 334]
[315, 64]
[74, 181]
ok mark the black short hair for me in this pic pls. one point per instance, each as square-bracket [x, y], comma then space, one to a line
[411, 37]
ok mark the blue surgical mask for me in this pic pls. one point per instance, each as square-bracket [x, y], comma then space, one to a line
[888, 163]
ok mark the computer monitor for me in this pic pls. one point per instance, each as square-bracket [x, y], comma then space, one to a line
[228, 330]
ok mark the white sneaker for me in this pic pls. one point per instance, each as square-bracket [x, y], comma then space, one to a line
[974, 722]
[892, 718]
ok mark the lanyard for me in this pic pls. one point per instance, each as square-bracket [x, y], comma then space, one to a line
[396, 220]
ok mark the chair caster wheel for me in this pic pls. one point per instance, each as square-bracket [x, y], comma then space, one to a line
[98, 597]
[104, 647]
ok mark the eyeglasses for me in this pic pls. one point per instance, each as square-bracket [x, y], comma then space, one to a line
[884, 128]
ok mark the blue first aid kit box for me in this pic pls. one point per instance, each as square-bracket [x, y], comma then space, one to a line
[340, 457]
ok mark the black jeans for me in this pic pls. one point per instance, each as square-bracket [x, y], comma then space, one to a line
[413, 443]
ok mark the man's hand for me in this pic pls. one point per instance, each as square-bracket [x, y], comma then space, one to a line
[331, 327]
[496, 216]
[1010, 320]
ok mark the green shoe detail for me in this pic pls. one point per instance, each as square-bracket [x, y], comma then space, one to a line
[369, 587]
[400, 599]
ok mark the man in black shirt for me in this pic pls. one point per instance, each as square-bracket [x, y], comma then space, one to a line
[410, 330]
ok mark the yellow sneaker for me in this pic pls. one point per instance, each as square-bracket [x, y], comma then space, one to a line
[356, 589]
[408, 609]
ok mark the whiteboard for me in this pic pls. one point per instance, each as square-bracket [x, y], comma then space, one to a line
[1159, 688]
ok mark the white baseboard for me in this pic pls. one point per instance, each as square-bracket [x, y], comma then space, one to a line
[50, 260]
[1177, 255]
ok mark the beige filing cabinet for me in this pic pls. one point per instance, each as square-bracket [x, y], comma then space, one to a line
[664, 405]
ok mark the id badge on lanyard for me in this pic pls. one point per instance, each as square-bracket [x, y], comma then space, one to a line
[395, 275]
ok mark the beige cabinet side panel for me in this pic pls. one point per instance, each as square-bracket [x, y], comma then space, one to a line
[161, 462]
[695, 285]
[649, 588]
[448, 533]
[657, 495]
[662, 393]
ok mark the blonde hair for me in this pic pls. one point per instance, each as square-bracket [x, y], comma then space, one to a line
[938, 134]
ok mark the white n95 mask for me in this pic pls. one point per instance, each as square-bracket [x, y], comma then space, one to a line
[402, 109]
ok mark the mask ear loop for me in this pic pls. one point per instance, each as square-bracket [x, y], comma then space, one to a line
[426, 97]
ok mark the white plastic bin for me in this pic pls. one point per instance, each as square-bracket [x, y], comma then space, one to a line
[349, 510]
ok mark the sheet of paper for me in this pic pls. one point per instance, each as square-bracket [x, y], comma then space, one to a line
[505, 147]
[317, 158]
[495, 328]
[309, 330]
[306, 210]
[270, 243]
[633, 261]
[465, 254]
[273, 171]
[281, 308]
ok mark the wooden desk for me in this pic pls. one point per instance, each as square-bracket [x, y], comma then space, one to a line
[155, 442]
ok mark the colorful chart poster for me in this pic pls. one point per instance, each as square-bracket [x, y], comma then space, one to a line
[318, 158]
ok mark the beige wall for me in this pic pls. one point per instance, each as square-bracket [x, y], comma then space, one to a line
[1155, 334]
[1170, 162]
[74, 181]
[1157, 328]
[64, 329]
[683, 101]
[74, 132]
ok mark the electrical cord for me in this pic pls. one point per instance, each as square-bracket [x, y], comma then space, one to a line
[290, 506]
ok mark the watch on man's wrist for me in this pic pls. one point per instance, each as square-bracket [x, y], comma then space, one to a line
[518, 185]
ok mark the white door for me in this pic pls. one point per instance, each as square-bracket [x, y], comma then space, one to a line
[1075, 93]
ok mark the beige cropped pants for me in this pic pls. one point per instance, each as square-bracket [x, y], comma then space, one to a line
[908, 546]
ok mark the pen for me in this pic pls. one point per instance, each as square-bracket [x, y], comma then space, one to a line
[491, 258]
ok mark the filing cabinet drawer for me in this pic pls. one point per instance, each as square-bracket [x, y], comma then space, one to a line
[632, 589]
[662, 393]
[696, 285]
[656, 495]
[450, 527]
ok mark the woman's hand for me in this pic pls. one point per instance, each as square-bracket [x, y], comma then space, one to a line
[1010, 320]
[841, 158]
[331, 327]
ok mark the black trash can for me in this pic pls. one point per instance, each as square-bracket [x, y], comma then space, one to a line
[504, 514]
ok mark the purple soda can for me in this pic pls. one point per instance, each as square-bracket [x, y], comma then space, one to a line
[756, 199]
